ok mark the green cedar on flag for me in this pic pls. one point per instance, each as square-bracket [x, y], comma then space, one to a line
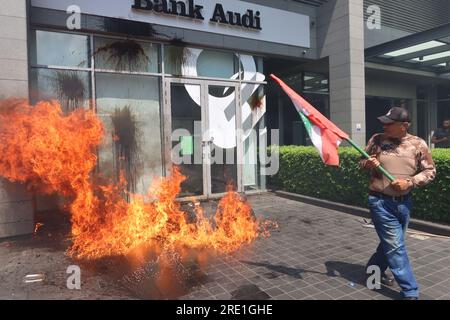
[324, 134]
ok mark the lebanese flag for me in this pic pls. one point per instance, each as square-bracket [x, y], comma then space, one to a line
[324, 134]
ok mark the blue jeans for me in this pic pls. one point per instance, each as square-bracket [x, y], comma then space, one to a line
[391, 219]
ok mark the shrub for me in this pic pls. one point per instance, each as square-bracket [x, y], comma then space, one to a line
[303, 172]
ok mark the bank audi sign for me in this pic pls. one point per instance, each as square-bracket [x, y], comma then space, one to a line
[228, 17]
[189, 9]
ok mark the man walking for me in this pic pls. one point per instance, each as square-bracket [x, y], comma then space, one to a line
[407, 158]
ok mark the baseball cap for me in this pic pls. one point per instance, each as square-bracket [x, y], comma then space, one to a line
[396, 114]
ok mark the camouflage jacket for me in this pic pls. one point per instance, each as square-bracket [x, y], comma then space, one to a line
[406, 158]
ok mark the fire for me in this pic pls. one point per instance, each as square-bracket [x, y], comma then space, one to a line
[37, 227]
[53, 153]
[161, 222]
[47, 151]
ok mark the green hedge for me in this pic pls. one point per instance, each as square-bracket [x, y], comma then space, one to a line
[303, 172]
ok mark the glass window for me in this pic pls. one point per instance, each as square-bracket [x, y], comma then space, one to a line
[375, 107]
[129, 106]
[126, 55]
[422, 119]
[295, 81]
[71, 88]
[259, 64]
[443, 92]
[187, 117]
[201, 63]
[252, 68]
[443, 112]
[60, 49]
[175, 57]
[423, 110]
[443, 104]
[222, 131]
[217, 64]
[314, 82]
[253, 124]
[422, 93]
[402, 103]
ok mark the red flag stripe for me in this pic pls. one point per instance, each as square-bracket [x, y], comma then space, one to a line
[315, 116]
[330, 135]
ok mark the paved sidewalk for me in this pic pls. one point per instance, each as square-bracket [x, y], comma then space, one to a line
[317, 254]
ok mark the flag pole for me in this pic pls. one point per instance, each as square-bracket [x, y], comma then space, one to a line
[367, 156]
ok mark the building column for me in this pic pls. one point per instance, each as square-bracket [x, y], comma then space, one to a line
[16, 209]
[341, 39]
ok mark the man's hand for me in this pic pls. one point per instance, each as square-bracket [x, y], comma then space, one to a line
[372, 163]
[439, 140]
[402, 185]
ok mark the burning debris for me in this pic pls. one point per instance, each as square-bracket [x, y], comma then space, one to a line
[157, 220]
[37, 227]
[55, 153]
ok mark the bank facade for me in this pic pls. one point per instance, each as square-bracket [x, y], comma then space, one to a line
[191, 79]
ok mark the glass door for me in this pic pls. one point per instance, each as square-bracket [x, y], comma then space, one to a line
[204, 135]
[187, 128]
[223, 147]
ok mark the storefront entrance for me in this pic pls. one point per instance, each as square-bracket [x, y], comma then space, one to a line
[205, 135]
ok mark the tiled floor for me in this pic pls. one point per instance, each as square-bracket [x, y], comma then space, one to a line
[317, 254]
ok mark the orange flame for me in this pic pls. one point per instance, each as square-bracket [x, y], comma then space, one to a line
[53, 153]
[41, 147]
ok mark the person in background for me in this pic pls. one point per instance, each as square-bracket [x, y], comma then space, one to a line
[441, 137]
